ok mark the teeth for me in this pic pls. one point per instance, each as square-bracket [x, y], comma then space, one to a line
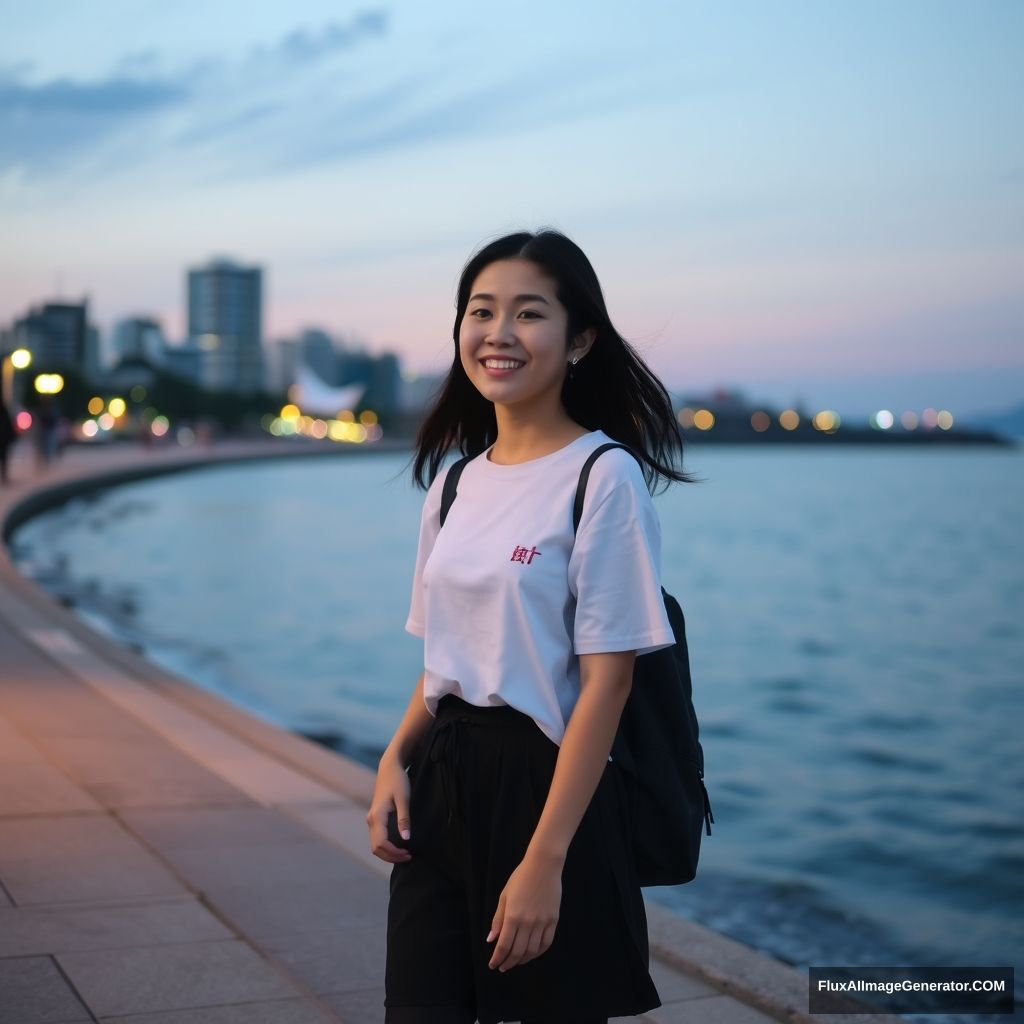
[501, 364]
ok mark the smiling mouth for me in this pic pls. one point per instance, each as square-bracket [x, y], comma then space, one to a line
[516, 364]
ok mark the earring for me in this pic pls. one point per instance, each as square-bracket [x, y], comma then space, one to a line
[575, 359]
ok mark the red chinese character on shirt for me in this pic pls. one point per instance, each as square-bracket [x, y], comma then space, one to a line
[524, 554]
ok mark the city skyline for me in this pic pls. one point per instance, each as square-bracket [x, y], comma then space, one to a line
[800, 203]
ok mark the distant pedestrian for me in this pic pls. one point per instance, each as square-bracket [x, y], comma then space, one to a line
[46, 421]
[514, 894]
[61, 435]
[8, 436]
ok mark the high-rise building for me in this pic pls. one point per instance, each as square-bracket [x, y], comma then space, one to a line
[283, 358]
[139, 337]
[55, 334]
[384, 393]
[320, 353]
[225, 304]
[184, 361]
[380, 376]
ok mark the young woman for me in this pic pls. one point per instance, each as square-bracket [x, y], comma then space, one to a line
[513, 896]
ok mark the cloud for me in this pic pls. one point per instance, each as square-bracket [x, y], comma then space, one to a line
[18, 70]
[220, 128]
[52, 128]
[295, 103]
[46, 126]
[113, 97]
[430, 104]
[138, 61]
[301, 46]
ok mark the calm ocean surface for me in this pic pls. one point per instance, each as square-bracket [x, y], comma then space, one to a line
[856, 641]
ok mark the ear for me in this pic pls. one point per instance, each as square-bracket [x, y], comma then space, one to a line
[583, 341]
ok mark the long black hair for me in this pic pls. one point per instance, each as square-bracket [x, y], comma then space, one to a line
[612, 389]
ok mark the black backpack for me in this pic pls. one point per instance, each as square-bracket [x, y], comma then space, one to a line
[657, 743]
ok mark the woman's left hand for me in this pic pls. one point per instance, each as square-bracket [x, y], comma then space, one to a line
[527, 913]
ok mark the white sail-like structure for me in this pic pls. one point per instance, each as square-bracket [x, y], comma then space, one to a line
[315, 398]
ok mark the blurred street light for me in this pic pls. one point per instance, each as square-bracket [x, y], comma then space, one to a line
[49, 383]
[16, 360]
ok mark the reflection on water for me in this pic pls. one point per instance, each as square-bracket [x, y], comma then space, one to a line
[855, 637]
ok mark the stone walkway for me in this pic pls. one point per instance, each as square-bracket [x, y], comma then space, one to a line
[167, 858]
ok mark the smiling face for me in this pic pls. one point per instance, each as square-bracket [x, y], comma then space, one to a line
[513, 314]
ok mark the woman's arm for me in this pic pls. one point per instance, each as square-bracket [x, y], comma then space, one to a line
[527, 914]
[392, 790]
[605, 682]
[411, 729]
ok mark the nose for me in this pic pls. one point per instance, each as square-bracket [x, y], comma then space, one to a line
[500, 329]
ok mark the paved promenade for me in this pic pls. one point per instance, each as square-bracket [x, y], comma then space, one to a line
[167, 858]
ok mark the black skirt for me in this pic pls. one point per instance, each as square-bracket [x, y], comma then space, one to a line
[479, 779]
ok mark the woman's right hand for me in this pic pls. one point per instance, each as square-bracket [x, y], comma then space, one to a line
[391, 793]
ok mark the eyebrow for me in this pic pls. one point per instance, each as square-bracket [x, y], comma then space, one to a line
[518, 298]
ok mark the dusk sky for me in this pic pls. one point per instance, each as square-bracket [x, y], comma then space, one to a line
[805, 200]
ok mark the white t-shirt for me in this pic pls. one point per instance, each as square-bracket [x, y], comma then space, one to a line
[505, 599]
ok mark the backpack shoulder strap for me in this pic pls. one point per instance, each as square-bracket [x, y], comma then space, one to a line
[581, 487]
[451, 483]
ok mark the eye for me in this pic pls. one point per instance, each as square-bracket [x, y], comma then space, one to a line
[531, 312]
[474, 312]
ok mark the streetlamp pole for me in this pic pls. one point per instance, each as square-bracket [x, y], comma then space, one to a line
[16, 360]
